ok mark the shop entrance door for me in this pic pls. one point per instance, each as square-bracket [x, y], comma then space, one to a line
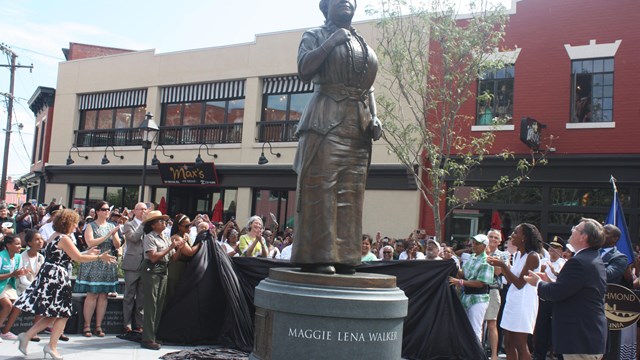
[192, 200]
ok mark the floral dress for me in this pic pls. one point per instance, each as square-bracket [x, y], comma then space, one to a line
[98, 277]
[49, 294]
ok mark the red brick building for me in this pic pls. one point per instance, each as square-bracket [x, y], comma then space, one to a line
[575, 70]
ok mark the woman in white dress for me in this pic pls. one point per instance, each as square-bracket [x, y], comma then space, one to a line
[521, 304]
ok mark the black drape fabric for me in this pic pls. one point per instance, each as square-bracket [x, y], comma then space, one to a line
[217, 307]
[436, 326]
[192, 316]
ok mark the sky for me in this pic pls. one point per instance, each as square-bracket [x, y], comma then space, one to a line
[38, 30]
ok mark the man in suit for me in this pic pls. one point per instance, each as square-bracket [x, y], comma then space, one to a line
[615, 264]
[130, 263]
[579, 326]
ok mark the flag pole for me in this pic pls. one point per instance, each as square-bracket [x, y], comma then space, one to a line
[612, 180]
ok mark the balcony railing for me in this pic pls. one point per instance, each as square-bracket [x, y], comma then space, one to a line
[277, 131]
[169, 135]
[108, 137]
[202, 134]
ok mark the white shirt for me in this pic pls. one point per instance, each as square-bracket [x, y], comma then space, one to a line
[419, 256]
[274, 251]
[228, 248]
[46, 231]
[285, 254]
[557, 266]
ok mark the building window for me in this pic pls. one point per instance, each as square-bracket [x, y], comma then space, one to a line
[495, 97]
[203, 113]
[111, 118]
[35, 145]
[285, 107]
[202, 122]
[43, 126]
[588, 197]
[592, 95]
[121, 118]
[207, 113]
[85, 197]
[116, 126]
[284, 99]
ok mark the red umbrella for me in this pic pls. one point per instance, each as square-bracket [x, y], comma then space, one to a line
[217, 212]
[496, 222]
[163, 206]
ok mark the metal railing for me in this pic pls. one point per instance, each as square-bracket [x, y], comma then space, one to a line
[271, 131]
[277, 131]
[169, 135]
[201, 134]
[108, 137]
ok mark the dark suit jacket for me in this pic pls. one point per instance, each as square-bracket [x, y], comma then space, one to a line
[615, 264]
[579, 325]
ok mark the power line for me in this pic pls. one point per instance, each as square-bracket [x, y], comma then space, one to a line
[38, 53]
[20, 134]
[18, 156]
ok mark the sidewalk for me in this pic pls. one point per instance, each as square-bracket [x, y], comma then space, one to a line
[93, 348]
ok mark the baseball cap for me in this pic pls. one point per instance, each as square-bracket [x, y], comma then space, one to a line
[481, 238]
[433, 241]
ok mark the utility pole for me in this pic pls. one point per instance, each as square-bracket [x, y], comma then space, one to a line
[12, 68]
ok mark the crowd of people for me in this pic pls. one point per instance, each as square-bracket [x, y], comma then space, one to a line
[506, 287]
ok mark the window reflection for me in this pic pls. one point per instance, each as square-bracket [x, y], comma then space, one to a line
[285, 107]
[203, 113]
[113, 118]
[592, 95]
[495, 97]
[587, 197]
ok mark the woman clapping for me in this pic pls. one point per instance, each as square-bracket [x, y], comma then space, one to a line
[49, 295]
[95, 279]
[252, 243]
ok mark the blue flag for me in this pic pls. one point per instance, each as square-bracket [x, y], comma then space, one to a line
[616, 217]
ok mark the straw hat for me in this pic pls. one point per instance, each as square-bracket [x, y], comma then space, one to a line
[155, 215]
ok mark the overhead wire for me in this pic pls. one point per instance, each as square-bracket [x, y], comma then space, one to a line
[20, 132]
[38, 53]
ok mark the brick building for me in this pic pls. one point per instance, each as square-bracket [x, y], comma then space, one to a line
[575, 71]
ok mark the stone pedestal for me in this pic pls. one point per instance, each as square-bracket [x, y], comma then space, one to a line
[314, 316]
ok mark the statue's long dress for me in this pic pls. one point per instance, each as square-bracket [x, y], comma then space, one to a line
[333, 153]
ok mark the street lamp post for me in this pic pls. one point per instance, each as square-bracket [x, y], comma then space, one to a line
[148, 129]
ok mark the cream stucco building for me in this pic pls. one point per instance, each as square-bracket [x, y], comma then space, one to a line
[237, 100]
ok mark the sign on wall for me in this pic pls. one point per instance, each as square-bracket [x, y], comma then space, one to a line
[188, 174]
[531, 132]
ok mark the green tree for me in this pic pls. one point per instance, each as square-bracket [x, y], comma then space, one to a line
[431, 59]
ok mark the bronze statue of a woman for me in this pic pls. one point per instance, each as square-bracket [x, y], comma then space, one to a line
[334, 150]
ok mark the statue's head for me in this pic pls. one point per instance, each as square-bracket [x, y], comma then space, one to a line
[325, 4]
